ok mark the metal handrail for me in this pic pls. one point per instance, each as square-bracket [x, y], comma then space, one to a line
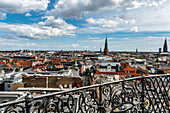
[79, 89]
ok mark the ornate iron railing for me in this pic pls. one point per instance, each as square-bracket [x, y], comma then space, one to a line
[146, 94]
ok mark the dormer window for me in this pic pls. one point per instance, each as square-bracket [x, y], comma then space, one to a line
[109, 67]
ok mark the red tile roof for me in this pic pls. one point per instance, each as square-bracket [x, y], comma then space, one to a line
[9, 65]
[56, 61]
[59, 66]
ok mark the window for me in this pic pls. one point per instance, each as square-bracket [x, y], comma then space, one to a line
[109, 68]
[8, 86]
[65, 85]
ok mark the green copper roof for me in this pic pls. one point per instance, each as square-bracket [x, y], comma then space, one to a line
[75, 63]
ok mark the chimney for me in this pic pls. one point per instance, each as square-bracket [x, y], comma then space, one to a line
[117, 68]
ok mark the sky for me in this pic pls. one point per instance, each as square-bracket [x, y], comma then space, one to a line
[84, 24]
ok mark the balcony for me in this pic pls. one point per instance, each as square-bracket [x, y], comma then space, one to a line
[146, 94]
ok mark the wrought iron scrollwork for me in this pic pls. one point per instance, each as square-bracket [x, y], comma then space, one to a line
[123, 98]
[15, 109]
[149, 94]
[87, 101]
[157, 93]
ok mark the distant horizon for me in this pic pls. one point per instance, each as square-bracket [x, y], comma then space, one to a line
[82, 50]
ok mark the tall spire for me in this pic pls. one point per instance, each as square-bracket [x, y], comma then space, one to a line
[165, 48]
[106, 45]
[106, 50]
[136, 50]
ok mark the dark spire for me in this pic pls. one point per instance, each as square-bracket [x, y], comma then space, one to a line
[136, 50]
[165, 48]
[106, 45]
[106, 50]
[100, 50]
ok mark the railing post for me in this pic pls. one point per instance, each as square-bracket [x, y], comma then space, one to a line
[100, 106]
[100, 99]
[143, 94]
[123, 88]
[28, 102]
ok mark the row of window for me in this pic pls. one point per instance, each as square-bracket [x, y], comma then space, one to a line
[129, 71]
[108, 70]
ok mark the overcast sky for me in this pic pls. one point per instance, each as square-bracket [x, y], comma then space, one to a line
[83, 24]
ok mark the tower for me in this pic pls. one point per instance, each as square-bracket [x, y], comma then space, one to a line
[136, 50]
[106, 50]
[160, 50]
[75, 64]
[165, 47]
[100, 50]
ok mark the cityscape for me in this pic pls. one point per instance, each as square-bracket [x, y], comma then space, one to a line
[84, 56]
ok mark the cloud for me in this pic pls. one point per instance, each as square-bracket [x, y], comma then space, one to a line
[7, 43]
[103, 22]
[75, 45]
[21, 6]
[56, 23]
[92, 41]
[28, 14]
[101, 25]
[25, 31]
[41, 30]
[98, 29]
[8, 40]
[85, 47]
[2, 16]
[75, 8]
[151, 18]
[108, 23]
[151, 37]
[134, 29]
[94, 38]
[110, 38]
[20, 44]
[142, 43]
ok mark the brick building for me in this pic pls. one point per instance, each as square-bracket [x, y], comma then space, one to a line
[52, 81]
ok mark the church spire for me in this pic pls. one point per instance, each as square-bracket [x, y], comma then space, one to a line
[100, 50]
[106, 50]
[106, 45]
[165, 48]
